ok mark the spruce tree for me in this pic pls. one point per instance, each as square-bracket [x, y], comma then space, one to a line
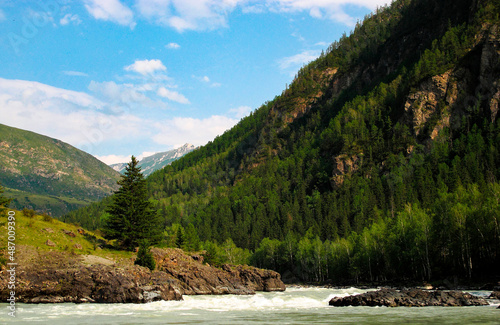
[131, 216]
[144, 256]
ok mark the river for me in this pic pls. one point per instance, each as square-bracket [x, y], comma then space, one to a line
[294, 306]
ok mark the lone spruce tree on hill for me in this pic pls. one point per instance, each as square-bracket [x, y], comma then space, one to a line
[131, 217]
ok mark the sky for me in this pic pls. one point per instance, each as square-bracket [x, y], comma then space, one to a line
[117, 78]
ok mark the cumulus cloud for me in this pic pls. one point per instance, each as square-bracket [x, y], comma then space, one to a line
[110, 10]
[74, 117]
[180, 130]
[70, 18]
[145, 67]
[173, 46]
[298, 59]
[188, 14]
[211, 14]
[172, 95]
[114, 159]
[240, 112]
[98, 125]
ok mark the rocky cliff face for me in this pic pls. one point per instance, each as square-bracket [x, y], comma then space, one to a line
[71, 279]
[441, 101]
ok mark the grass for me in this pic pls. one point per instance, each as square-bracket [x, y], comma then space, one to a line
[57, 205]
[34, 232]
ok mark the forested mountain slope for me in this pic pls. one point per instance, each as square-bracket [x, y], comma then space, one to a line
[381, 160]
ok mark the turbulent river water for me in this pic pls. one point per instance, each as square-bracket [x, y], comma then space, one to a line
[294, 306]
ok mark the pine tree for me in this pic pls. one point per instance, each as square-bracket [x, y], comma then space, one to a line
[4, 202]
[132, 218]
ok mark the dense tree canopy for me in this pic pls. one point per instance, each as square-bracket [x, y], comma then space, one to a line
[333, 181]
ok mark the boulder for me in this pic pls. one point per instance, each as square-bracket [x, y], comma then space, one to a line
[50, 243]
[409, 298]
[494, 295]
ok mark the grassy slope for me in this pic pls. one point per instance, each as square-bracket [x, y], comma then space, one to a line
[54, 172]
[31, 235]
[58, 205]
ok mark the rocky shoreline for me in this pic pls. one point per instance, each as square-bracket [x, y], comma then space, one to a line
[410, 298]
[177, 274]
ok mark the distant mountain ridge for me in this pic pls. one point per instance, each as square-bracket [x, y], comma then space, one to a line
[157, 161]
[49, 175]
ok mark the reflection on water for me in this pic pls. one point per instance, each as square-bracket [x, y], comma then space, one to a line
[294, 306]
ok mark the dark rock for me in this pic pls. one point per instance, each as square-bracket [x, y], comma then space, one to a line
[494, 295]
[97, 283]
[77, 246]
[68, 232]
[196, 278]
[64, 278]
[409, 298]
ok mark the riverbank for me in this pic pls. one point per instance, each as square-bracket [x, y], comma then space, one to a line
[56, 277]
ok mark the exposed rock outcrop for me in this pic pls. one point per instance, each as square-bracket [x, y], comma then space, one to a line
[495, 295]
[197, 278]
[409, 298]
[72, 279]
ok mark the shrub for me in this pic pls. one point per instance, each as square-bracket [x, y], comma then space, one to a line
[144, 256]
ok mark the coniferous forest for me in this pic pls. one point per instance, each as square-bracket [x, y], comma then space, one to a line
[379, 162]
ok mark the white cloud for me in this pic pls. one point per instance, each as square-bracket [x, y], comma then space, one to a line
[180, 130]
[206, 79]
[114, 159]
[241, 111]
[69, 18]
[298, 59]
[173, 46]
[74, 117]
[331, 9]
[110, 10]
[172, 95]
[188, 14]
[146, 67]
[99, 125]
[75, 73]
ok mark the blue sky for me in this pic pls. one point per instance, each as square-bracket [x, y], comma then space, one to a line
[122, 77]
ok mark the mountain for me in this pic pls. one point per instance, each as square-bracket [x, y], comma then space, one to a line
[49, 175]
[157, 161]
[381, 160]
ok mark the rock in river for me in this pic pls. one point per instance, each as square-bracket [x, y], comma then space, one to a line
[409, 298]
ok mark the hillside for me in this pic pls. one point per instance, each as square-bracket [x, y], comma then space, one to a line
[49, 175]
[380, 161]
[157, 161]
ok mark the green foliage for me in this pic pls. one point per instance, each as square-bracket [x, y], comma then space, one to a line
[330, 180]
[4, 202]
[29, 213]
[131, 218]
[226, 253]
[47, 171]
[47, 218]
[144, 256]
